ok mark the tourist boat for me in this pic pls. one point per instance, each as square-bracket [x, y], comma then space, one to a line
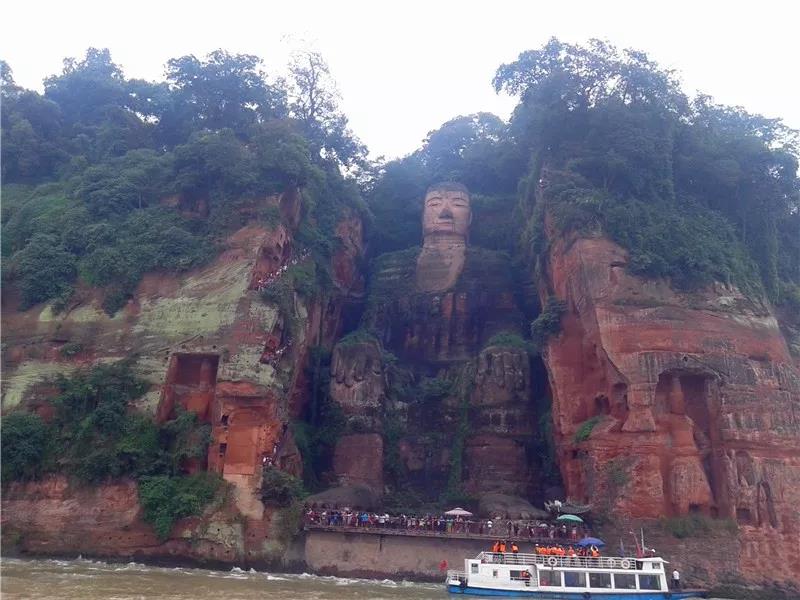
[565, 577]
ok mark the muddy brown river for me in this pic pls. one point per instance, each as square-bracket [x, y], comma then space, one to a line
[93, 580]
[40, 579]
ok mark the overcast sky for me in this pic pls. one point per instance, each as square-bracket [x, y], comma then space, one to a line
[403, 68]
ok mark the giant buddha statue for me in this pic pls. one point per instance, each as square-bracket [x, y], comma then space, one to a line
[436, 309]
[446, 218]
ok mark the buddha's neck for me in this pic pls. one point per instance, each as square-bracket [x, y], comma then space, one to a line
[444, 240]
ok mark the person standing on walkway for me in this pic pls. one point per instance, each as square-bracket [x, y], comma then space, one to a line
[676, 580]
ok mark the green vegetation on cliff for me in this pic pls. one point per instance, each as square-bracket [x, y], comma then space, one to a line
[604, 141]
[96, 436]
[697, 192]
[105, 178]
[279, 488]
[166, 499]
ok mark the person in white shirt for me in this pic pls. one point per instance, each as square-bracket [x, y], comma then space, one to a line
[676, 580]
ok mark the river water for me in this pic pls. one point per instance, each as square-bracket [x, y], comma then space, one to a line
[92, 580]
[39, 579]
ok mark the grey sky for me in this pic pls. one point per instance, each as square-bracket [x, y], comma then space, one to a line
[403, 68]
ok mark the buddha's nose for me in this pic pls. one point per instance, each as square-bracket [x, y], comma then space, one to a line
[446, 213]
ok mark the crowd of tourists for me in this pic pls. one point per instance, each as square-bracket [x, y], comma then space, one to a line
[272, 277]
[444, 524]
[504, 546]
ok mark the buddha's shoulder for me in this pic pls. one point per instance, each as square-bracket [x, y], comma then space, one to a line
[488, 267]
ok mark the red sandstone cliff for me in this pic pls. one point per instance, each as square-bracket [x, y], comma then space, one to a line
[207, 341]
[695, 401]
[694, 397]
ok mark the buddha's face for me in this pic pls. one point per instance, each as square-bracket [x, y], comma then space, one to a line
[446, 211]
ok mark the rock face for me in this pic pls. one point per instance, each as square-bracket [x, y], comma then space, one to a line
[207, 342]
[52, 517]
[664, 403]
[669, 403]
[436, 309]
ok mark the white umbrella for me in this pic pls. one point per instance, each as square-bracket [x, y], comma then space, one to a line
[458, 512]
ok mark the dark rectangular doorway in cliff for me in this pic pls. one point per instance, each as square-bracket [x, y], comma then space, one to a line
[191, 382]
[696, 393]
[195, 369]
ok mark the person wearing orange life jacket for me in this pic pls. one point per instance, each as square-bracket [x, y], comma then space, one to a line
[514, 547]
[496, 546]
[595, 552]
[537, 549]
[571, 551]
[502, 546]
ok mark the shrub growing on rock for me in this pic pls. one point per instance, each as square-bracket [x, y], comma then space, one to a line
[25, 446]
[166, 499]
[279, 488]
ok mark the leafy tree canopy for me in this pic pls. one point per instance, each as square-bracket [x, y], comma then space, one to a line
[96, 161]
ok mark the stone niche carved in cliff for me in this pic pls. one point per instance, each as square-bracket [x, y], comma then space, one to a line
[750, 490]
[435, 309]
[190, 383]
[682, 409]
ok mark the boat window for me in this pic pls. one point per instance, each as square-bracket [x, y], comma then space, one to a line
[649, 582]
[494, 573]
[550, 578]
[600, 580]
[574, 579]
[473, 568]
[625, 581]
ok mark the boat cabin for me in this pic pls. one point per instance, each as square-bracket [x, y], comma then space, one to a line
[493, 573]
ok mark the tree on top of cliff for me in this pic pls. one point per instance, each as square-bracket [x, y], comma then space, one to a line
[476, 150]
[222, 91]
[94, 157]
[622, 133]
[315, 103]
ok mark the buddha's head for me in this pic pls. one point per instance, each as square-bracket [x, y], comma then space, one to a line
[446, 211]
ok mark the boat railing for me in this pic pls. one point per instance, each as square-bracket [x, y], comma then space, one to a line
[586, 562]
[460, 575]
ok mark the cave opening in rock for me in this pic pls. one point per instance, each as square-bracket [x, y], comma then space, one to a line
[190, 383]
[682, 408]
[766, 506]
[744, 516]
[602, 406]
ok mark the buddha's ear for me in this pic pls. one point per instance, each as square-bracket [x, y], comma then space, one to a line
[470, 217]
